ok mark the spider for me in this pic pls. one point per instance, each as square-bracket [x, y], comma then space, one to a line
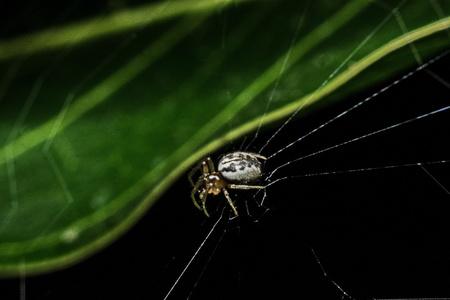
[234, 171]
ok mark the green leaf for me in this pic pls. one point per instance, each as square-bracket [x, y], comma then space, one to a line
[101, 115]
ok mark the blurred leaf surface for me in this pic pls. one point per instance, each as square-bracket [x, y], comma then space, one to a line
[96, 127]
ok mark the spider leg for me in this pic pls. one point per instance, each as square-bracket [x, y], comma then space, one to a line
[259, 156]
[206, 167]
[230, 201]
[245, 187]
[194, 191]
[193, 171]
[203, 196]
[212, 169]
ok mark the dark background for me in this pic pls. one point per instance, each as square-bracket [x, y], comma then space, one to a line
[378, 233]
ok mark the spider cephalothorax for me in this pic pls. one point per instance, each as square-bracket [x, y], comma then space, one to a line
[235, 171]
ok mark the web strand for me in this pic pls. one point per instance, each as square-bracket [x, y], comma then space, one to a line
[359, 104]
[195, 255]
[359, 138]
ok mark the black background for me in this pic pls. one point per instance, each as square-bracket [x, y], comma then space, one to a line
[378, 234]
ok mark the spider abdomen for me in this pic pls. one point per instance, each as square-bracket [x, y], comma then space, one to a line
[240, 167]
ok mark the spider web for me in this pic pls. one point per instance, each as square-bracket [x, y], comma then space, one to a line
[388, 241]
[369, 209]
[370, 212]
